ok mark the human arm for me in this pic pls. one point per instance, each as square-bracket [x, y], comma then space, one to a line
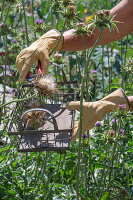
[123, 13]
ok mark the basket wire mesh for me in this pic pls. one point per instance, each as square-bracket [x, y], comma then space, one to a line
[55, 132]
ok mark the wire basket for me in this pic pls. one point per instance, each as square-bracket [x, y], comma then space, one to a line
[55, 131]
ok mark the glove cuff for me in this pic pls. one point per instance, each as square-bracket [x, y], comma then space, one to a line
[61, 42]
[129, 105]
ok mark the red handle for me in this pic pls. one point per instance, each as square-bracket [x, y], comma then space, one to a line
[39, 70]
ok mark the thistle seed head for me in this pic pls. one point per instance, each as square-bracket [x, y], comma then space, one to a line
[46, 85]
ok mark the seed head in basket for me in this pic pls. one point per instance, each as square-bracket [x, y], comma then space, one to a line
[33, 104]
[34, 119]
[46, 85]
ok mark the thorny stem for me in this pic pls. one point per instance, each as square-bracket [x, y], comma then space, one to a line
[5, 69]
[2, 8]
[17, 100]
[79, 144]
[59, 37]
[122, 65]
[81, 104]
[33, 15]
[25, 178]
[103, 69]
[7, 13]
[27, 38]
[109, 67]
[110, 166]
[93, 48]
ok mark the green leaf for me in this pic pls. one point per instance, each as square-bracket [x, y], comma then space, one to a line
[130, 150]
[11, 192]
[104, 197]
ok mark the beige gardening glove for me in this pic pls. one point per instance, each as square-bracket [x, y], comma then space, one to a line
[95, 111]
[39, 50]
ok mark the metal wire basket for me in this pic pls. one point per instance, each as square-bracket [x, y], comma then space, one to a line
[55, 132]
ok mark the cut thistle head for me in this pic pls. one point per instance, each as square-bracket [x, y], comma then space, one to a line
[33, 104]
[46, 85]
[102, 19]
[33, 119]
[81, 29]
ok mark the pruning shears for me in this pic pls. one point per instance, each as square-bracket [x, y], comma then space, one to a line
[29, 76]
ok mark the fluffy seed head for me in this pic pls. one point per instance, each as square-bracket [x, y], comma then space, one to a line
[34, 119]
[46, 85]
[33, 104]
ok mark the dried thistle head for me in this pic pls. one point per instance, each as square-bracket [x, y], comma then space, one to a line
[46, 85]
[34, 119]
[33, 104]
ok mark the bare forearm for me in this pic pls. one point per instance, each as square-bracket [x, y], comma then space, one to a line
[123, 12]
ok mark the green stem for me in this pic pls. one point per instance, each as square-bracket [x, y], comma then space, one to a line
[25, 178]
[8, 10]
[27, 38]
[2, 8]
[103, 69]
[86, 70]
[79, 144]
[109, 68]
[59, 37]
[93, 48]
[109, 170]
[81, 104]
[33, 15]
[122, 65]
[5, 70]
[17, 100]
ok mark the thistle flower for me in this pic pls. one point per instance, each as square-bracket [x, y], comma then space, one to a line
[39, 21]
[94, 72]
[58, 58]
[121, 131]
[70, 12]
[14, 41]
[114, 121]
[58, 55]
[4, 30]
[46, 85]
[66, 2]
[84, 136]
[40, 26]
[122, 106]
[98, 124]
[81, 29]
[111, 132]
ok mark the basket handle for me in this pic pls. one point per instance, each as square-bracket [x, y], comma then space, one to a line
[37, 109]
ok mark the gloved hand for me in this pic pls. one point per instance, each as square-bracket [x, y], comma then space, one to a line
[39, 50]
[95, 111]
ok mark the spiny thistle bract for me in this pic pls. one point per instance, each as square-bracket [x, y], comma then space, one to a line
[46, 85]
[102, 19]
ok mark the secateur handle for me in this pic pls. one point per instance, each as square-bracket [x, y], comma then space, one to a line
[39, 71]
